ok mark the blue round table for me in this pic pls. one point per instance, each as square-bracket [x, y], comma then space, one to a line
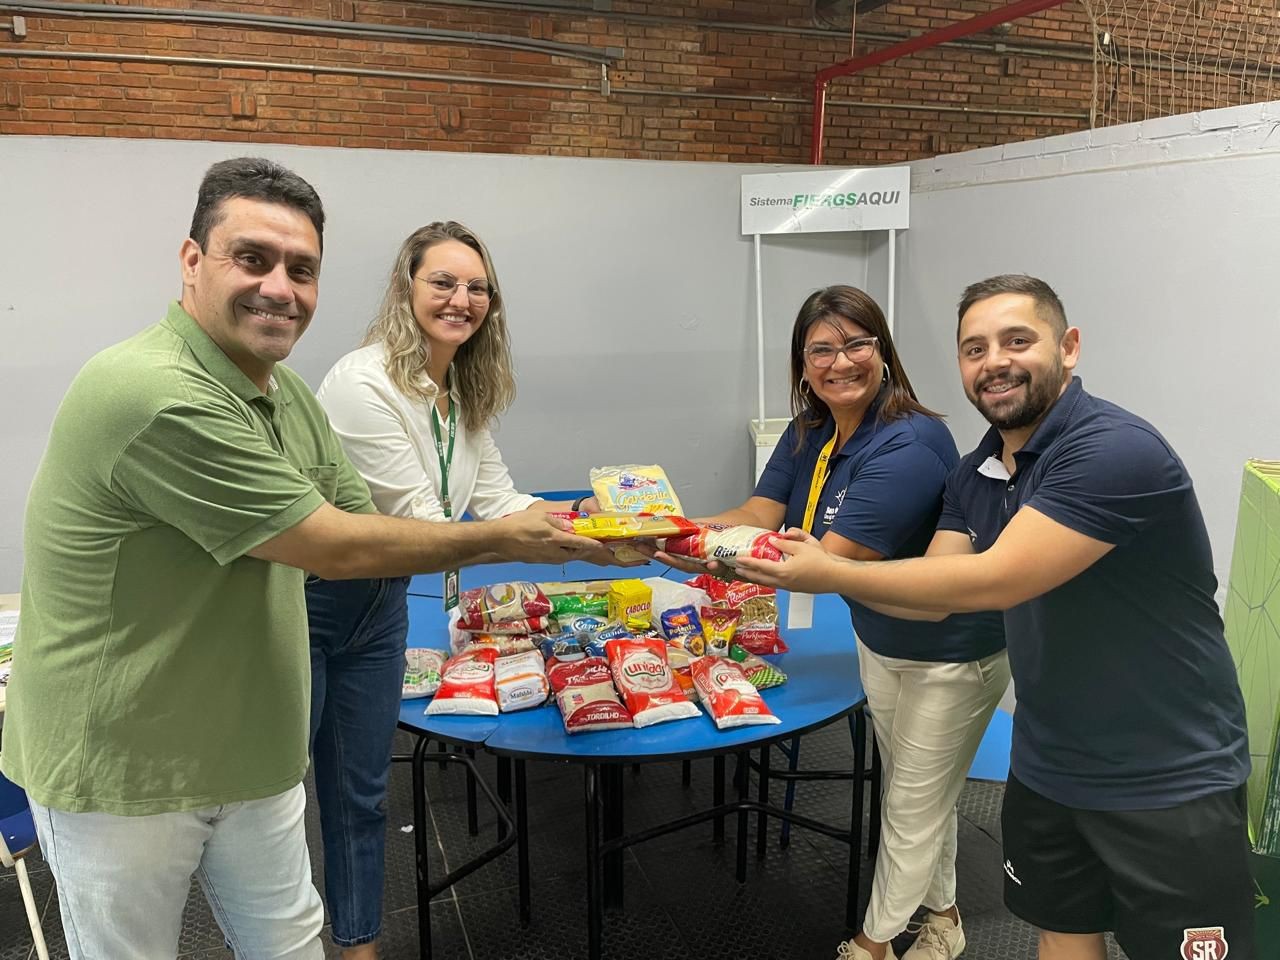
[822, 686]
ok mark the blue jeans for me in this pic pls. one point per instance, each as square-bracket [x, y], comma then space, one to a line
[358, 631]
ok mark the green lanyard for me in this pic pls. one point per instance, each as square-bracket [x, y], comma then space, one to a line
[445, 459]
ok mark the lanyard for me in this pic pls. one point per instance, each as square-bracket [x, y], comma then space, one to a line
[445, 460]
[817, 483]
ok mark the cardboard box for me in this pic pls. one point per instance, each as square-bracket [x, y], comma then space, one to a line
[1253, 634]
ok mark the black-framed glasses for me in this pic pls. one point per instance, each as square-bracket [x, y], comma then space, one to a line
[442, 286]
[823, 355]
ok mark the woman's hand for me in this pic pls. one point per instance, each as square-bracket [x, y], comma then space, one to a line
[805, 566]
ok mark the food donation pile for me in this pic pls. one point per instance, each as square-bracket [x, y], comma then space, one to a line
[609, 653]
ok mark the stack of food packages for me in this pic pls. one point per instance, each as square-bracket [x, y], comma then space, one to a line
[612, 654]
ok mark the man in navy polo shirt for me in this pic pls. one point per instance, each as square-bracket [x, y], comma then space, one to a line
[1125, 804]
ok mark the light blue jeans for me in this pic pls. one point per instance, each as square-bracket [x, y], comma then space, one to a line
[123, 881]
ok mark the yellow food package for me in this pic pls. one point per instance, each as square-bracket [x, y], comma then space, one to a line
[631, 604]
[635, 489]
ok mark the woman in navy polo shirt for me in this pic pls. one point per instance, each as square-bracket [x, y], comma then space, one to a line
[862, 467]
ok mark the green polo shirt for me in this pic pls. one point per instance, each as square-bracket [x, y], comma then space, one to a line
[157, 667]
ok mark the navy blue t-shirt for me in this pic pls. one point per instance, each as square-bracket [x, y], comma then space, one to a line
[1127, 694]
[883, 490]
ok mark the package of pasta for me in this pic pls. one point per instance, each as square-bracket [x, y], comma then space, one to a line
[585, 708]
[635, 489]
[643, 676]
[521, 681]
[468, 685]
[759, 671]
[503, 645]
[758, 630]
[728, 695]
[630, 526]
[482, 606]
[422, 672]
[718, 541]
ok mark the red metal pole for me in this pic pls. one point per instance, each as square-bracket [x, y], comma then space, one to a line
[954, 31]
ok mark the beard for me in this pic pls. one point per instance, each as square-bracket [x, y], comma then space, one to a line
[1039, 395]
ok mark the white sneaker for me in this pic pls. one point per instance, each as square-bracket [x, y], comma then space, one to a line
[851, 951]
[941, 938]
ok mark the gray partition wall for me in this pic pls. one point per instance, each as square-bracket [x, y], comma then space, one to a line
[1162, 239]
[629, 292]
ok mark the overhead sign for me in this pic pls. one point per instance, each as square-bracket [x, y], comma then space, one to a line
[864, 198]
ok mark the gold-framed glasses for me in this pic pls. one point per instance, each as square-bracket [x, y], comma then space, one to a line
[442, 286]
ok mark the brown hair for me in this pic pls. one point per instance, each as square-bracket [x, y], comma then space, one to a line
[897, 398]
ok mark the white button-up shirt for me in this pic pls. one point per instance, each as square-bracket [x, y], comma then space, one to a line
[388, 438]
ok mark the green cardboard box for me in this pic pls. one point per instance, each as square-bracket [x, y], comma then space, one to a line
[1253, 633]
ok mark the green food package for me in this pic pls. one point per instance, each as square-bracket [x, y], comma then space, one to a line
[572, 605]
[1252, 617]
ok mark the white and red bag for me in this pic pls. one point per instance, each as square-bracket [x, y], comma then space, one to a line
[728, 695]
[581, 672]
[585, 707]
[468, 685]
[643, 676]
[478, 609]
[724, 542]
[521, 681]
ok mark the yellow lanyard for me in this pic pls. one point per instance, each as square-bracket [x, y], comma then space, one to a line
[816, 484]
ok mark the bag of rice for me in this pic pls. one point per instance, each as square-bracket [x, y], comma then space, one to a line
[422, 672]
[468, 685]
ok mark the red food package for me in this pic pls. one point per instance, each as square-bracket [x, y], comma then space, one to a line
[483, 606]
[758, 630]
[718, 541]
[577, 673]
[468, 684]
[728, 695]
[592, 706]
[643, 677]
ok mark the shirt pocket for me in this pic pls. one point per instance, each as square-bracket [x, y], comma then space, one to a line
[325, 479]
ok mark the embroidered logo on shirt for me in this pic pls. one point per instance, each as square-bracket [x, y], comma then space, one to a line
[1204, 943]
[1008, 868]
[830, 513]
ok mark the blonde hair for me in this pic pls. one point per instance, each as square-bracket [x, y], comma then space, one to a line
[482, 369]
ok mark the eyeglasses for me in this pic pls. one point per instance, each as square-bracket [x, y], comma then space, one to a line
[823, 355]
[443, 285]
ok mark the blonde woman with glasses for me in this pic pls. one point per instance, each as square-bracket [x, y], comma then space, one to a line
[412, 408]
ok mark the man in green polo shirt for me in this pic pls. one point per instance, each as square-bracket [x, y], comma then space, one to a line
[158, 711]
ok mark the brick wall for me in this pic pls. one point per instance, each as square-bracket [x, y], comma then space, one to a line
[708, 80]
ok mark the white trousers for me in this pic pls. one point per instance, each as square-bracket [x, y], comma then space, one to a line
[123, 881]
[929, 718]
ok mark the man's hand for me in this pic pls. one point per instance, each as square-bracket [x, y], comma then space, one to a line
[805, 566]
[530, 536]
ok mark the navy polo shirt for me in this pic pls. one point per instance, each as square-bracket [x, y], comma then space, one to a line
[883, 490]
[1127, 694]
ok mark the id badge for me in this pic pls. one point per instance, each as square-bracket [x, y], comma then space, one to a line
[450, 590]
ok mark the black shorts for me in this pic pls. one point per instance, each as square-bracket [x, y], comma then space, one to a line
[1172, 884]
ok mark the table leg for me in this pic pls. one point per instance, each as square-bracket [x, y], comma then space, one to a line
[743, 780]
[595, 905]
[612, 796]
[473, 825]
[762, 794]
[420, 848]
[522, 839]
[851, 918]
[504, 792]
[789, 798]
[717, 796]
